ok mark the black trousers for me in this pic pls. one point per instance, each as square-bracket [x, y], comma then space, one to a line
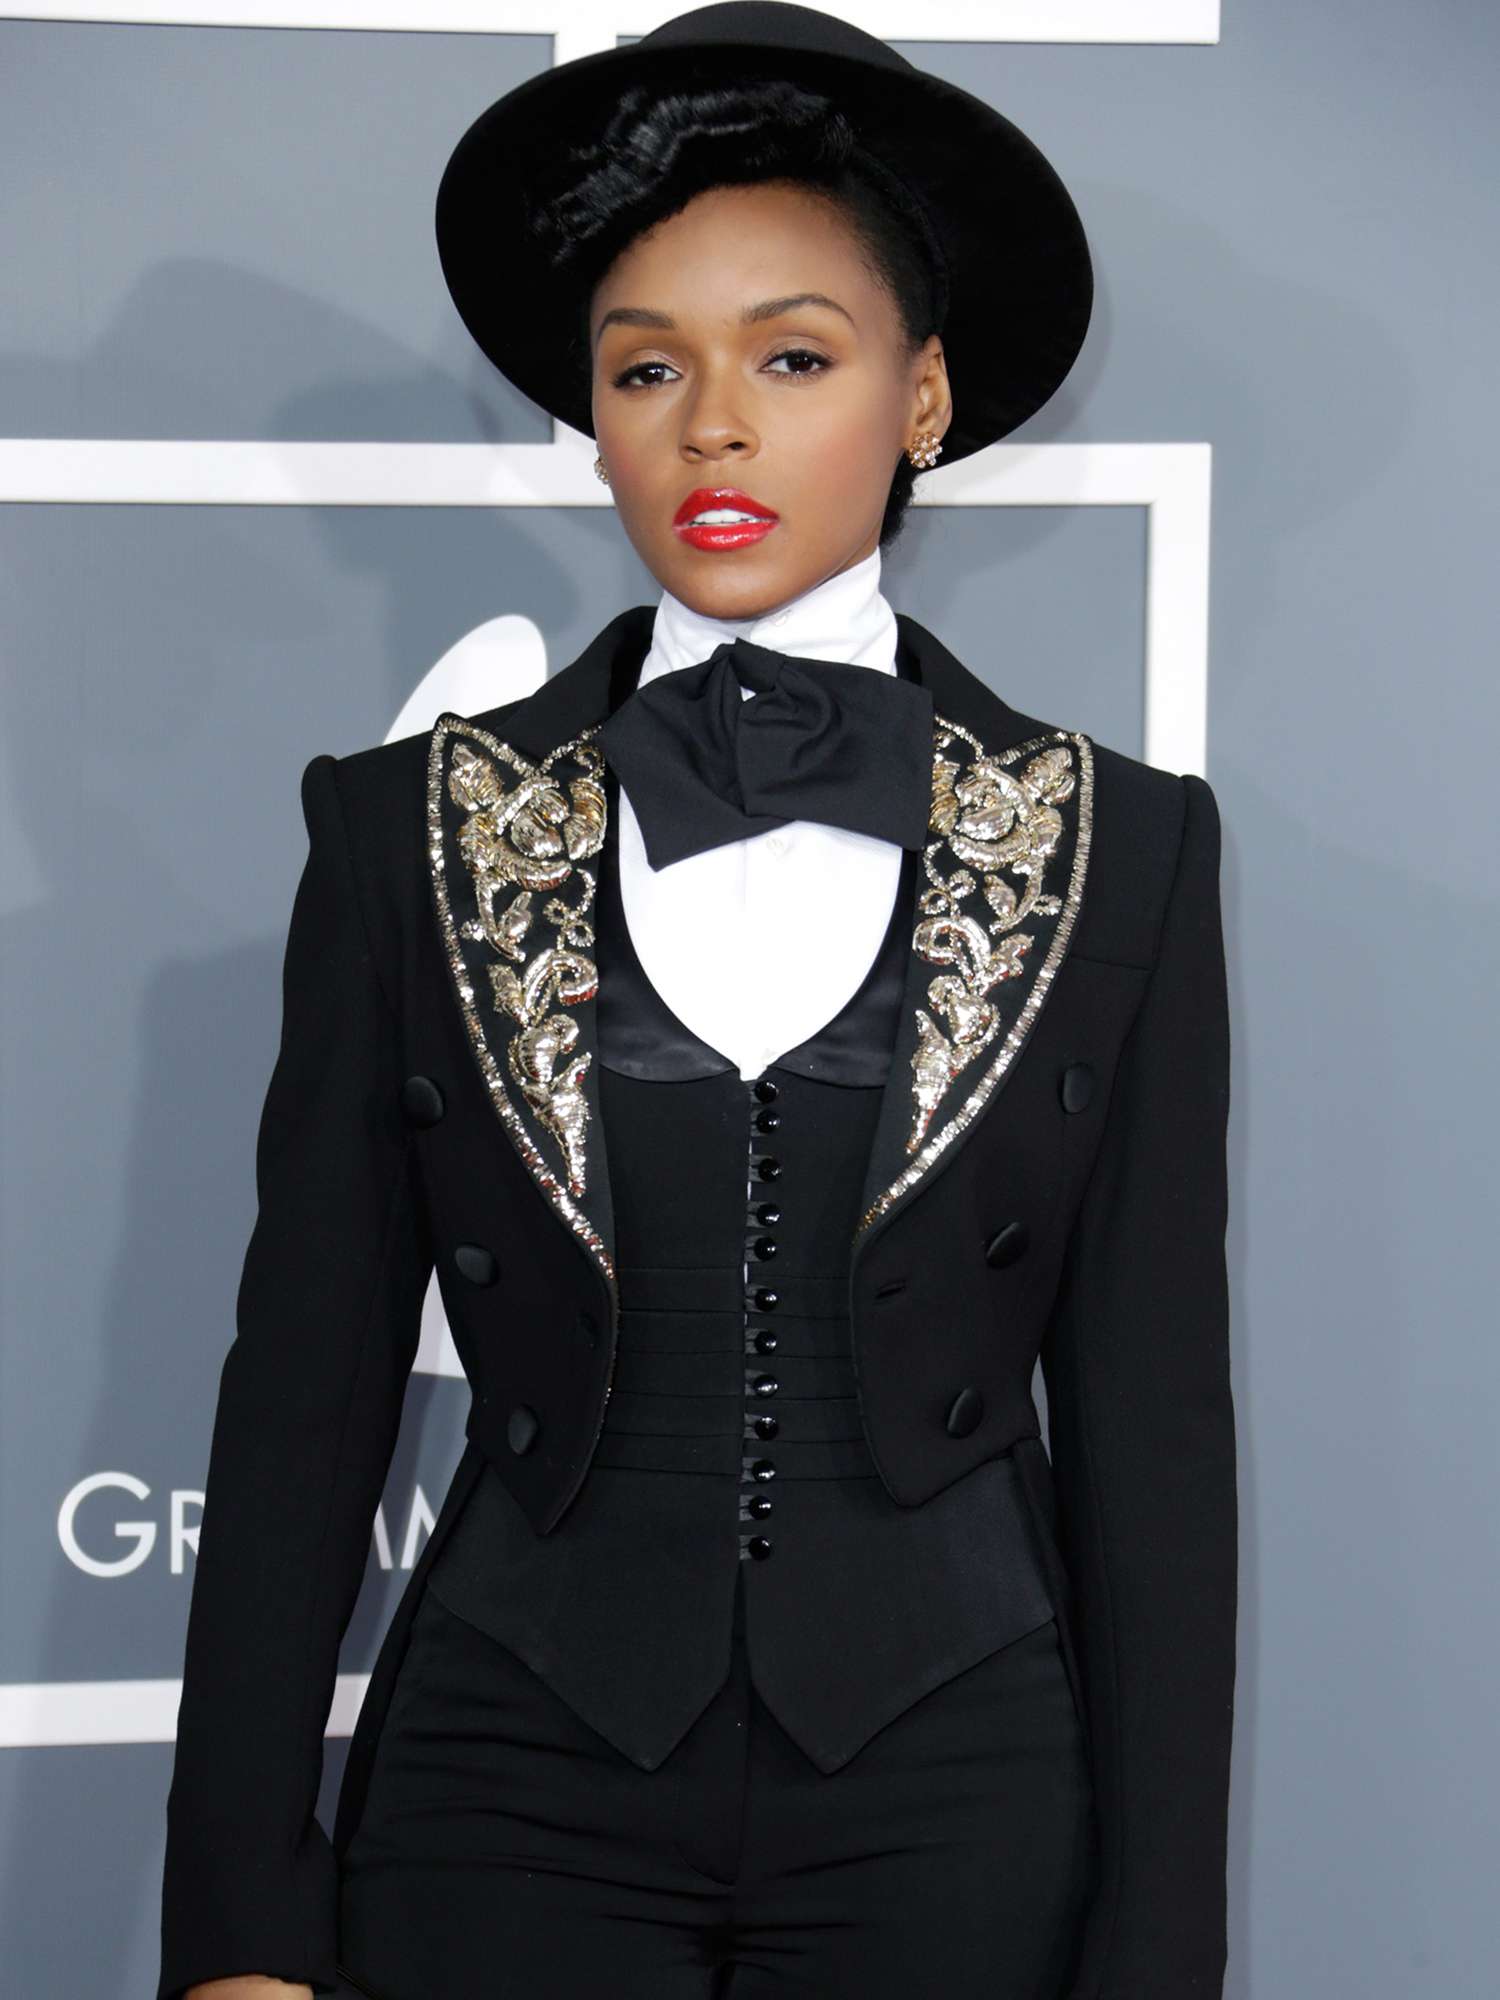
[508, 1852]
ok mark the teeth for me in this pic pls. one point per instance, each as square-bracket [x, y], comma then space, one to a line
[721, 517]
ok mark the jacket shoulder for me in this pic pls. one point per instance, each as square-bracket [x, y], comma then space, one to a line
[382, 795]
[1138, 817]
[383, 788]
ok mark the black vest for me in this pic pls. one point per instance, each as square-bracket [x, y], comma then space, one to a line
[731, 1445]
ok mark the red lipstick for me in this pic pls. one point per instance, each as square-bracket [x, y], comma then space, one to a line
[721, 531]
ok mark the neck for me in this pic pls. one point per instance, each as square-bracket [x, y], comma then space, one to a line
[846, 617]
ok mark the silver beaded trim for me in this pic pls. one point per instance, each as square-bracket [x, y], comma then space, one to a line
[569, 921]
[1055, 780]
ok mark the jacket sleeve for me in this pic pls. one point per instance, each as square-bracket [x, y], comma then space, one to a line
[1137, 1370]
[328, 1315]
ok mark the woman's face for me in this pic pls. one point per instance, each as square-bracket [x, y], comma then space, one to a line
[706, 376]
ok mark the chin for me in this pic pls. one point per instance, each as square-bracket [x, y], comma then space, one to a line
[711, 590]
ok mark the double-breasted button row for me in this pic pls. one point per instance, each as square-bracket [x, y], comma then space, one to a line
[474, 1262]
[422, 1100]
[480, 1266]
[1008, 1243]
[762, 1216]
[522, 1428]
[1076, 1086]
[964, 1413]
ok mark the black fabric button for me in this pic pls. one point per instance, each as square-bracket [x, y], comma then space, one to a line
[767, 1212]
[763, 1247]
[421, 1100]
[764, 1299]
[763, 1468]
[767, 1168]
[765, 1340]
[1007, 1244]
[522, 1428]
[476, 1263]
[1076, 1086]
[765, 1089]
[760, 1504]
[588, 1326]
[964, 1412]
[766, 1427]
[759, 1547]
[766, 1121]
[765, 1385]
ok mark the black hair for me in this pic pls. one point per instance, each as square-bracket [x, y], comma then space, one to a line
[665, 144]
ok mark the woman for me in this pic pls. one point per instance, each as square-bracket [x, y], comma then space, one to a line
[778, 1043]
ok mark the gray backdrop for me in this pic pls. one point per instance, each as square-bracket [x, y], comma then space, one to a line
[227, 234]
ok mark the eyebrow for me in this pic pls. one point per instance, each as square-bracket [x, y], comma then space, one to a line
[767, 309]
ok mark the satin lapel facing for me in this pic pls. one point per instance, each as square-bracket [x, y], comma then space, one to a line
[1001, 885]
[509, 841]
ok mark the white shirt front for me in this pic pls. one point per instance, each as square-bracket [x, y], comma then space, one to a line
[755, 944]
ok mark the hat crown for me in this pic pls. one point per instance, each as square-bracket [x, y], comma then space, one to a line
[773, 24]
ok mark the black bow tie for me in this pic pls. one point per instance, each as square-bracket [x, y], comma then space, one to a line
[818, 739]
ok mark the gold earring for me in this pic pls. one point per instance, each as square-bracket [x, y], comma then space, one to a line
[599, 468]
[924, 448]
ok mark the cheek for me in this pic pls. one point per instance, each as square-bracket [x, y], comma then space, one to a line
[846, 421]
[831, 465]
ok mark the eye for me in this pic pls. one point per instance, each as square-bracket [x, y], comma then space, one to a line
[624, 381]
[802, 354]
[627, 379]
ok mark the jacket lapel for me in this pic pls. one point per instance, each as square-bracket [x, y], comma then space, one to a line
[516, 816]
[998, 894]
[516, 811]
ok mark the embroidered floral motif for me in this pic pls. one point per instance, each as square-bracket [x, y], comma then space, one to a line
[996, 823]
[522, 841]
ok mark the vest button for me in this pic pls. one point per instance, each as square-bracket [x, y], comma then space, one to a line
[760, 1504]
[767, 1168]
[522, 1428]
[762, 1468]
[765, 1089]
[763, 1247]
[588, 1326]
[766, 1121]
[765, 1341]
[759, 1547]
[421, 1100]
[764, 1299]
[1076, 1086]
[476, 1263]
[767, 1212]
[1006, 1245]
[765, 1385]
[964, 1412]
[766, 1427]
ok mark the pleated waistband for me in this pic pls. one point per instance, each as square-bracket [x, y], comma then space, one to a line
[734, 1458]
[693, 1376]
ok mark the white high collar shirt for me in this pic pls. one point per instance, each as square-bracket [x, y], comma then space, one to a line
[755, 944]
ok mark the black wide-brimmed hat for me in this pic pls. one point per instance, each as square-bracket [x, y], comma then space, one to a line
[1019, 276]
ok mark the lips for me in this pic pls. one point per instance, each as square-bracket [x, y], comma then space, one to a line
[723, 531]
[706, 499]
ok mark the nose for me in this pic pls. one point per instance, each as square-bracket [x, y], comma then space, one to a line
[712, 426]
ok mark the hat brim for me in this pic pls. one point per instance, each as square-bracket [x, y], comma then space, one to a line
[1020, 272]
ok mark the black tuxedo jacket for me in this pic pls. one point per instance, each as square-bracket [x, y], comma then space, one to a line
[1048, 1177]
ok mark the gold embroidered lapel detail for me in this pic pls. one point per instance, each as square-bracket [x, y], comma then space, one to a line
[524, 834]
[1006, 829]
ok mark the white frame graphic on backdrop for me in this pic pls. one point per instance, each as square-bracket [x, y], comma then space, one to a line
[1172, 482]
